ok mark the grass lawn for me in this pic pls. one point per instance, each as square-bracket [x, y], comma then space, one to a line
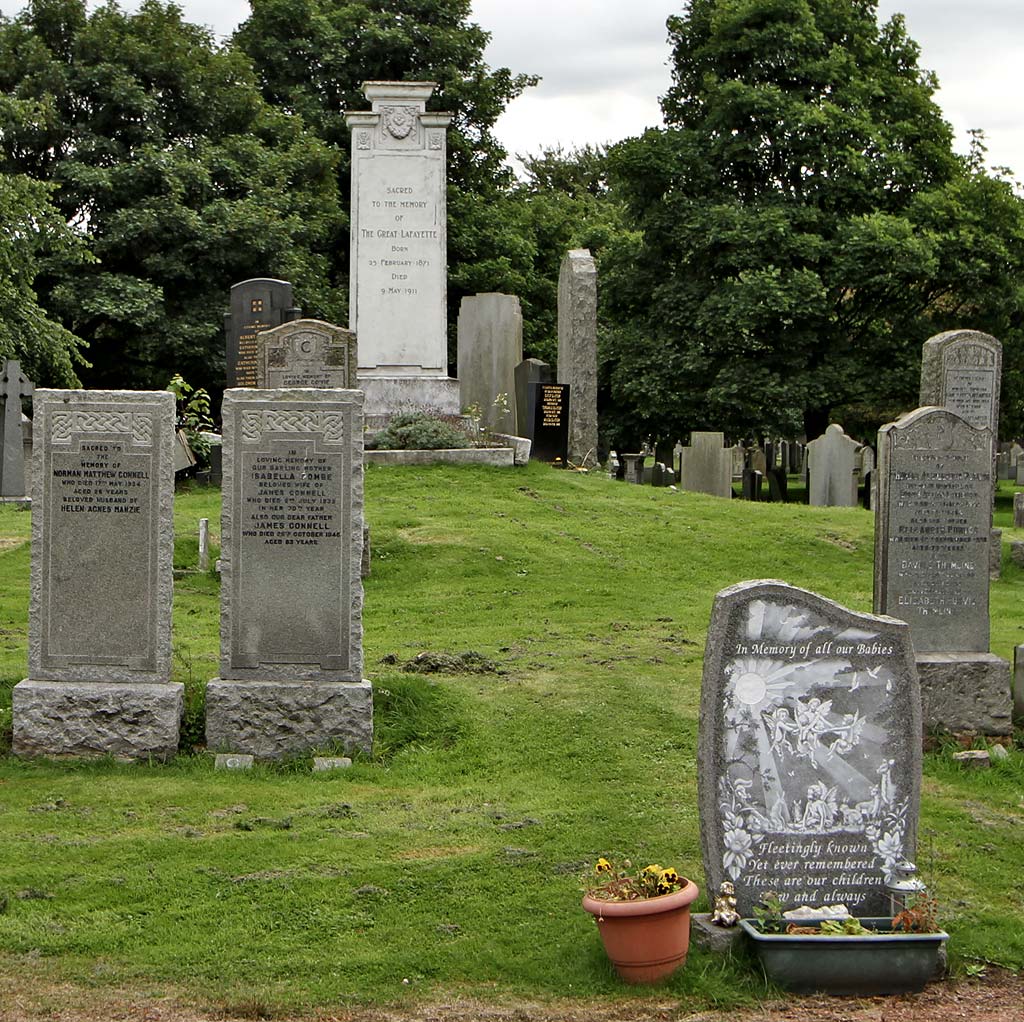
[448, 864]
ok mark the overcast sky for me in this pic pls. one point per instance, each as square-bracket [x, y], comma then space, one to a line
[604, 64]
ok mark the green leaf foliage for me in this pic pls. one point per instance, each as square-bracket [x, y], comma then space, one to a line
[805, 224]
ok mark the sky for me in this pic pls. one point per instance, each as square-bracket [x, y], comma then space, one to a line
[604, 65]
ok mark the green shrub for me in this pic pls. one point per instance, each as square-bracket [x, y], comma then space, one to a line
[417, 431]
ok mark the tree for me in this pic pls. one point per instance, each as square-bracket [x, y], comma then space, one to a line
[175, 172]
[313, 56]
[34, 235]
[795, 250]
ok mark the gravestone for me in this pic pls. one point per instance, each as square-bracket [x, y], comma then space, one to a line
[809, 751]
[706, 465]
[778, 485]
[739, 460]
[832, 462]
[1018, 510]
[756, 460]
[962, 370]
[398, 274]
[1015, 452]
[527, 373]
[1003, 465]
[752, 480]
[634, 467]
[932, 563]
[551, 404]
[14, 385]
[1019, 478]
[658, 474]
[291, 596]
[99, 658]
[257, 304]
[577, 351]
[490, 346]
[306, 353]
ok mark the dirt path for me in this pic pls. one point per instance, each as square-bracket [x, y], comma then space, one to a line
[997, 997]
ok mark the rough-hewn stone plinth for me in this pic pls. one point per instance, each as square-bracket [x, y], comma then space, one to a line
[965, 692]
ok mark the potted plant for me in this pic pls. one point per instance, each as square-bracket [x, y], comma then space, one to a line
[643, 917]
[859, 956]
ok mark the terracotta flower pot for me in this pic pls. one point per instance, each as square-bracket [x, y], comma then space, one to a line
[646, 940]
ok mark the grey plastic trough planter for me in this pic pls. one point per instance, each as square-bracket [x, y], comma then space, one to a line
[862, 965]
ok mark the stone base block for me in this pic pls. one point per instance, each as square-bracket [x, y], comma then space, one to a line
[276, 720]
[387, 395]
[82, 719]
[965, 692]
[711, 937]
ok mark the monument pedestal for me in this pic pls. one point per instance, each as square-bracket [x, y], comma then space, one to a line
[965, 692]
[392, 395]
[274, 719]
[77, 719]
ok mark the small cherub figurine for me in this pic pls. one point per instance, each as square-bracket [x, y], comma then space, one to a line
[725, 913]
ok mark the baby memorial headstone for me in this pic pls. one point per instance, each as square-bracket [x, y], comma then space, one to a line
[809, 752]
[291, 595]
[99, 663]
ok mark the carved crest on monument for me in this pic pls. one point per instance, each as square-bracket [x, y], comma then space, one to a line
[398, 120]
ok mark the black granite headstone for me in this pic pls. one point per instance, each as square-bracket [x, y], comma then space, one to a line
[529, 372]
[257, 304]
[550, 422]
[778, 485]
[752, 484]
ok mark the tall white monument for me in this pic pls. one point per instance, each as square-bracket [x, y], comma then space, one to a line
[398, 265]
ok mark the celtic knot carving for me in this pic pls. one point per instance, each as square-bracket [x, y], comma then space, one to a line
[292, 420]
[139, 425]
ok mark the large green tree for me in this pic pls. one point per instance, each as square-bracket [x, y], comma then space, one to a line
[802, 216]
[313, 56]
[174, 171]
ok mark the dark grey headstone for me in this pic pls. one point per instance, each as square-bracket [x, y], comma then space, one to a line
[932, 529]
[306, 353]
[550, 403]
[778, 485]
[752, 480]
[809, 753]
[257, 304]
[527, 373]
[14, 385]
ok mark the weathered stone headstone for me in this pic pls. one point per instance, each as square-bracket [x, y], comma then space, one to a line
[551, 404]
[932, 563]
[398, 263]
[14, 385]
[1019, 478]
[752, 480]
[634, 467]
[778, 485]
[306, 353]
[832, 462]
[809, 752]
[527, 373]
[1015, 452]
[291, 596]
[706, 465]
[739, 460]
[1003, 465]
[577, 351]
[257, 304]
[1018, 510]
[756, 459]
[490, 346]
[99, 661]
[962, 370]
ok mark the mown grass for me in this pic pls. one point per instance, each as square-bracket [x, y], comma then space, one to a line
[448, 862]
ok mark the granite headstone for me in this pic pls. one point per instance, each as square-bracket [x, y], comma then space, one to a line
[706, 465]
[490, 346]
[832, 463]
[101, 580]
[528, 372]
[551, 403]
[257, 304]
[291, 595]
[809, 751]
[577, 351]
[14, 386]
[306, 353]
[932, 557]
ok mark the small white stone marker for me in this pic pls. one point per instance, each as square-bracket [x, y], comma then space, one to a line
[204, 544]
[233, 761]
[322, 764]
